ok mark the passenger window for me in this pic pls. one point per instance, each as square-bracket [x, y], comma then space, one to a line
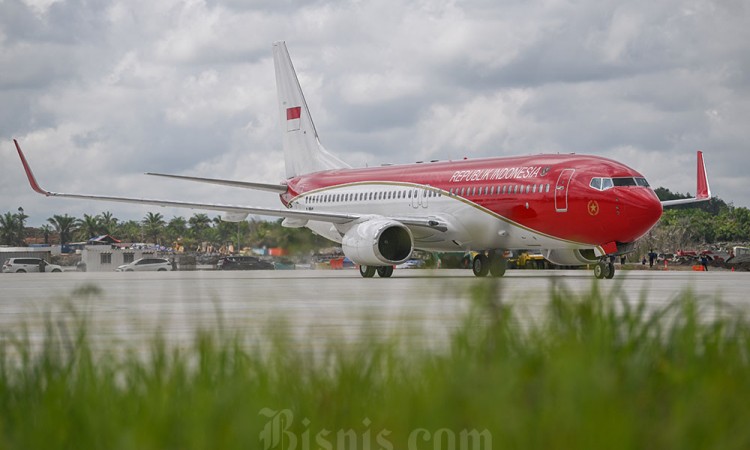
[533, 189]
[547, 188]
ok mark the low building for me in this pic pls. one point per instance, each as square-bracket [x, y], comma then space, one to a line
[106, 258]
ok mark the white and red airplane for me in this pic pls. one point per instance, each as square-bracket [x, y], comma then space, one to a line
[576, 209]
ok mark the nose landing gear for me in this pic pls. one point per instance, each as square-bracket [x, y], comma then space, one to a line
[604, 269]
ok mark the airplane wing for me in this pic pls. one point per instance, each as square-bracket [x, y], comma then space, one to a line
[278, 188]
[332, 217]
[702, 191]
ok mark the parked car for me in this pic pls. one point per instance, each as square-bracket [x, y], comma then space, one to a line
[23, 265]
[243, 263]
[146, 265]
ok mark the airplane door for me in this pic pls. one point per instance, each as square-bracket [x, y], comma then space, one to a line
[561, 190]
[419, 198]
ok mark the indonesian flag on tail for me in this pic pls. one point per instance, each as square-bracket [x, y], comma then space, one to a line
[293, 118]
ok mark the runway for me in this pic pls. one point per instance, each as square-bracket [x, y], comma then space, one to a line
[310, 306]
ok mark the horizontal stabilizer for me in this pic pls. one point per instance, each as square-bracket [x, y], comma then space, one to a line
[279, 188]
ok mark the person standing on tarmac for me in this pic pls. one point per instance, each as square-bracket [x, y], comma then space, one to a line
[651, 258]
[704, 263]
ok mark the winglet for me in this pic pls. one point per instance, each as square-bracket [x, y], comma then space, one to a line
[703, 190]
[29, 174]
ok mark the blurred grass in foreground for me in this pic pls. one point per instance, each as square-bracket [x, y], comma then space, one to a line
[589, 372]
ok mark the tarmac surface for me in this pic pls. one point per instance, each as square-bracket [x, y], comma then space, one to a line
[311, 306]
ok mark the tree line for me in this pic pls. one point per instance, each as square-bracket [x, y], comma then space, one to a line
[154, 228]
[708, 222]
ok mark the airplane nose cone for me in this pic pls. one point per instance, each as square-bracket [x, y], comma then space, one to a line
[643, 209]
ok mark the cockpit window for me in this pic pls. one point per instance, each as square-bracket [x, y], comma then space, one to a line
[624, 181]
[602, 184]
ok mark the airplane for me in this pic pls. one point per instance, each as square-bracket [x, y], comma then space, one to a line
[575, 209]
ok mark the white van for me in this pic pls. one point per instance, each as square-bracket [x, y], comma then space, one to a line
[23, 265]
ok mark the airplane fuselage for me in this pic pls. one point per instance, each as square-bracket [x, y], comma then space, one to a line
[542, 201]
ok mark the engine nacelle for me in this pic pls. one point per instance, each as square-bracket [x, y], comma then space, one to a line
[378, 242]
[571, 257]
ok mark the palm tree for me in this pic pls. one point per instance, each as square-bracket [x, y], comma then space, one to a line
[64, 225]
[176, 229]
[154, 225]
[89, 226]
[46, 231]
[198, 224]
[108, 222]
[9, 228]
[21, 218]
[130, 231]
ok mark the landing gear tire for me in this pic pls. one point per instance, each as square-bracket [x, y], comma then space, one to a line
[610, 272]
[599, 270]
[498, 266]
[367, 271]
[604, 270]
[481, 265]
[385, 271]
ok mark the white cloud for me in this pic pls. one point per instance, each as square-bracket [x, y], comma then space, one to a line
[100, 93]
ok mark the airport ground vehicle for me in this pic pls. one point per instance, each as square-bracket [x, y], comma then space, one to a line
[146, 265]
[243, 263]
[23, 265]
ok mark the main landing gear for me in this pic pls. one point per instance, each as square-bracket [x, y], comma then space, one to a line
[490, 263]
[369, 271]
[604, 269]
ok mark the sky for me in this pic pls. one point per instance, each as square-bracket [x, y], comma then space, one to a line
[98, 92]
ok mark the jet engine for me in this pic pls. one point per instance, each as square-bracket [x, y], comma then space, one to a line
[378, 242]
[571, 257]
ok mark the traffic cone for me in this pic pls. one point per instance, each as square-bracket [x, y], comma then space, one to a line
[666, 266]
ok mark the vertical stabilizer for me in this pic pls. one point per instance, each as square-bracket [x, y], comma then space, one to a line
[303, 152]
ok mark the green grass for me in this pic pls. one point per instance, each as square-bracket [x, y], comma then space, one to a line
[587, 372]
